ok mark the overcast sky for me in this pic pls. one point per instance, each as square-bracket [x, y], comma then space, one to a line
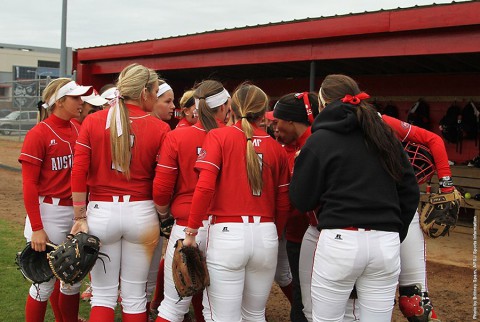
[102, 22]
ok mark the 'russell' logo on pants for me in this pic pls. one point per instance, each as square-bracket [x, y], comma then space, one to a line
[339, 237]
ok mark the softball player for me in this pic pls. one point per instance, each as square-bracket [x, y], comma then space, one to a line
[243, 185]
[116, 157]
[355, 169]
[413, 279]
[175, 182]
[164, 107]
[46, 158]
[163, 110]
[413, 289]
[294, 114]
[189, 113]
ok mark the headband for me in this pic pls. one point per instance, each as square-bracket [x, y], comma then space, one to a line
[306, 102]
[355, 99]
[69, 89]
[216, 99]
[162, 89]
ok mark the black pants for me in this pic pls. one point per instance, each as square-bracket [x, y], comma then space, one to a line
[293, 253]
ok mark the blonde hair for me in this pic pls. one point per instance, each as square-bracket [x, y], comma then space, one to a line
[132, 80]
[249, 103]
[185, 98]
[206, 115]
[51, 91]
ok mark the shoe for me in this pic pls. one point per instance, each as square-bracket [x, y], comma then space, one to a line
[87, 294]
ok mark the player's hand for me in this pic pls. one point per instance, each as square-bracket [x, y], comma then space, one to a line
[39, 240]
[78, 226]
[189, 241]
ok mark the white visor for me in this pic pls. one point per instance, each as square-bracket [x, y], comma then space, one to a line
[95, 100]
[70, 89]
[109, 93]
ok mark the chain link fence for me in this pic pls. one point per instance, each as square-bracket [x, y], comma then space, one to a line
[18, 105]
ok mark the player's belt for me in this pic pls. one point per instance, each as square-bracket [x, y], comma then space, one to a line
[239, 219]
[356, 229]
[61, 202]
[93, 197]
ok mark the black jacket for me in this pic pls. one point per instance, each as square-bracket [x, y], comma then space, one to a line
[336, 171]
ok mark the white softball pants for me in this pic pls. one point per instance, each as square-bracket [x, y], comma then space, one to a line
[283, 276]
[57, 223]
[171, 308]
[307, 253]
[413, 254]
[129, 233]
[344, 258]
[241, 260]
[153, 271]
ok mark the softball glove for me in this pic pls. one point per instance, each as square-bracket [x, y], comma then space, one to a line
[34, 265]
[440, 214]
[189, 268]
[72, 260]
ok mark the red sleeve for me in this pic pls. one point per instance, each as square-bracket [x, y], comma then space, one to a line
[81, 160]
[166, 172]
[202, 197]
[30, 175]
[282, 202]
[210, 157]
[415, 134]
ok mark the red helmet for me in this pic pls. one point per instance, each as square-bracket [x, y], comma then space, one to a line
[422, 161]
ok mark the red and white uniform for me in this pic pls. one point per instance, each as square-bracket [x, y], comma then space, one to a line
[47, 157]
[183, 123]
[174, 184]
[242, 241]
[413, 248]
[120, 211]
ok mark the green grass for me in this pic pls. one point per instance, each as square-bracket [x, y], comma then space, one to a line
[14, 287]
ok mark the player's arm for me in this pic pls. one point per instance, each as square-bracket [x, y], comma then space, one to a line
[80, 169]
[282, 201]
[411, 133]
[166, 174]
[30, 177]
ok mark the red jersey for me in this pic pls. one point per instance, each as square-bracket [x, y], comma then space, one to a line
[93, 161]
[184, 122]
[48, 148]
[298, 221]
[410, 133]
[223, 154]
[175, 173]
[50, 145]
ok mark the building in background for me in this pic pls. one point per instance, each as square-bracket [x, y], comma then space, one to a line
[24, 73]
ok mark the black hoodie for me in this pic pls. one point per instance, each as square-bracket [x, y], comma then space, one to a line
[336, 171]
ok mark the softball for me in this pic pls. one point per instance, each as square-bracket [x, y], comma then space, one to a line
[468, 195]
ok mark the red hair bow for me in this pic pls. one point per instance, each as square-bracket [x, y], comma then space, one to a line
[355, 99]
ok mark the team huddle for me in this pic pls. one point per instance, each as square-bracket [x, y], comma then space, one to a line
[317, 195]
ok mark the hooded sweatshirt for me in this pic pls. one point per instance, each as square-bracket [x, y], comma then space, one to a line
[338, 172]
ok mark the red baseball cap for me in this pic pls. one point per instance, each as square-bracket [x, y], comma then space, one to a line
[269, 116]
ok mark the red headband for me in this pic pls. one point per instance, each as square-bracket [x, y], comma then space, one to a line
[355, 99]
[306, 101]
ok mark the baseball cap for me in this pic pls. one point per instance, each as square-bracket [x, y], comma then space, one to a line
[269, 116]
[109, 93]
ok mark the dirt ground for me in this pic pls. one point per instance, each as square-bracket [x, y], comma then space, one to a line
[452, 280]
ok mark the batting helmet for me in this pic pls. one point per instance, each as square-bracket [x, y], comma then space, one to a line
[422, 161]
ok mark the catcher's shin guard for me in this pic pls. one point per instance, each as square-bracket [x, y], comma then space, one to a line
[415, 304]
